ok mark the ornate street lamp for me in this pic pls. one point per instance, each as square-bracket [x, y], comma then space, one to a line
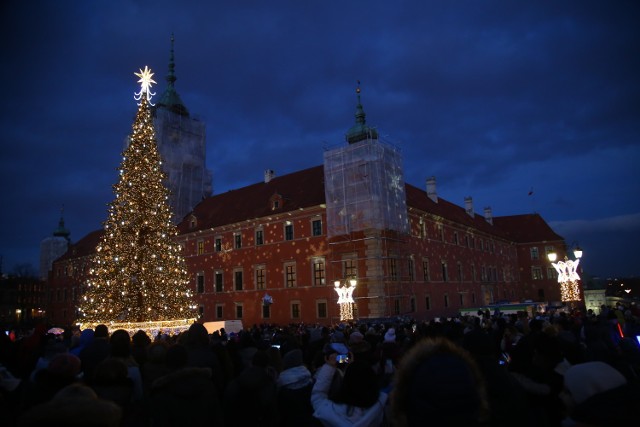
[568, 277]
[345, 298]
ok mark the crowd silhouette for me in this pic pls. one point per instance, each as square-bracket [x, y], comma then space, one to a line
[548, 369]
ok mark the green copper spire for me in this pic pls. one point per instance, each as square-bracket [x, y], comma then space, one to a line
[360, 131]
[61, 231]
[170, 98]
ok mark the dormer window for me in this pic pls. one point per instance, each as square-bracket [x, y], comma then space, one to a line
[275, 201]
[193, 222]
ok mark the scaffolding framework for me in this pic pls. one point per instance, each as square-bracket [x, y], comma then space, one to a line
[182, 145]
[366, 208]
[364, 188]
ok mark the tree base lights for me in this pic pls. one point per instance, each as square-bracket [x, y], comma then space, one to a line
[152, 329]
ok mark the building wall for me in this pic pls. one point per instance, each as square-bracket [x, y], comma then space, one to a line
[398, 274]
[538, 277]
[65, 289]
[278, 257]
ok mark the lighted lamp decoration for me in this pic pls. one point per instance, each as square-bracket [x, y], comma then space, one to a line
[568, 277]
[345, 298]
[138, 277]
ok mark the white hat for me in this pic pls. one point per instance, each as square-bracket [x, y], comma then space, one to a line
[588, 379]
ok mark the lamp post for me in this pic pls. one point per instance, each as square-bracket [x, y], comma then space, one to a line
[345, 298]
[568, 277]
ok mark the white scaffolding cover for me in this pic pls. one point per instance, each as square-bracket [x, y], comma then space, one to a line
[182, 145]
[364, 188]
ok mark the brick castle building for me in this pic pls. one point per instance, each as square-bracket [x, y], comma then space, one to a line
[287, 239]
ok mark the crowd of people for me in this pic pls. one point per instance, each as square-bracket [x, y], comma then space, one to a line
[545, 369]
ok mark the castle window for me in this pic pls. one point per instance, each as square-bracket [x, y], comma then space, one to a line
[316, 227]
[426, 276]
[200, 283]
[534, 252]
[536, 273]
[266, 311]
[321, 309]
[237, 275]
[288, 231]
[219, 284]
[295, 309]
[445, 272]
[318, 272]
[290, 275]
[260, 277]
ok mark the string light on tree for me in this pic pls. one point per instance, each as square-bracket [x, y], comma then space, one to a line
[138, 278]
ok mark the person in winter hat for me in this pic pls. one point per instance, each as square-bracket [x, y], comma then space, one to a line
[294, 391]
[390, 335]
[438, 383]
[585, 380]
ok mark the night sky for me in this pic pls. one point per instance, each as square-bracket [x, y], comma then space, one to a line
[496, 99]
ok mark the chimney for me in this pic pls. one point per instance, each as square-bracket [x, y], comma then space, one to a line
[431, 189]
[268, 175]
[488, 215]
[468, 206]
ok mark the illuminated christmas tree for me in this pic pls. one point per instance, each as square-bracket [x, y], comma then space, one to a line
[138, 278]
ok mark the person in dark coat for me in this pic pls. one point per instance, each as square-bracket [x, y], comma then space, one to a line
[201, 354]
[86, 336]
[507, 398]
[186, 396]
[155, 366]
[140, 342]
[251, 398]
[62, 371]
[96, 351]
[294, 392]
[73, 406]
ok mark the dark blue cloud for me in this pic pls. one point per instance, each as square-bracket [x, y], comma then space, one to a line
[493, 98]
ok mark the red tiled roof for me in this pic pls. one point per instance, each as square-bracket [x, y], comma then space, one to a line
[417, 198]
[83, 247]
[305, 188]
[299, 189]
[527, 228]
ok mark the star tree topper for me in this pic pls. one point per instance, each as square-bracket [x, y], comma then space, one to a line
[145, 84]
